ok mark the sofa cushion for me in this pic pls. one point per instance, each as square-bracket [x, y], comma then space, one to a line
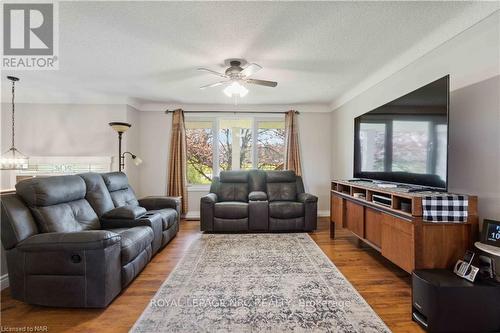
[234, 177]
[115, 181]
[133, 241]
[119, 189]
[124, 198]
[97, 193]
[66, 217]
[233, 192]
[48, 191]
[233, 186]
[58, 203]
[282, 191]
[286, 209]
[276, 176]
[231, 210]
[168, 216]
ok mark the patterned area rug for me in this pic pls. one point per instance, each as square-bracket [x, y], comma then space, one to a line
[257, 283]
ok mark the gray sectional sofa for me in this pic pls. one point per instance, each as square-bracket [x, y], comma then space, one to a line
[256, 200]
[77, 241]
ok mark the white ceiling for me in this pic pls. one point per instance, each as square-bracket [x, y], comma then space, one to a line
[138, 52]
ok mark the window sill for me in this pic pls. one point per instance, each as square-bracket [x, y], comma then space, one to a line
[198, 188]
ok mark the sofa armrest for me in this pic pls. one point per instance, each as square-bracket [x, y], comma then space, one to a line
[306, 197]
[207, 207]
[311, 210]
[257, 196]
[125, 223]
[69, 241]
[160, 202]
[125, 212]
[210, 198]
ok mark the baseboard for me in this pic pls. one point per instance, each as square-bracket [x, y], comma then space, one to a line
[4, 281]
[192, 215]
[196, 215]
[323, 213]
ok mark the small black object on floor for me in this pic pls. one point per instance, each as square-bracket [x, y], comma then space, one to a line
[444, 302]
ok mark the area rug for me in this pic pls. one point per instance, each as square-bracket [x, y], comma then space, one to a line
[257, 283]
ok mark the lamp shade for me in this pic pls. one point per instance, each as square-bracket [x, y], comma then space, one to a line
[137, 160]
[120, 127]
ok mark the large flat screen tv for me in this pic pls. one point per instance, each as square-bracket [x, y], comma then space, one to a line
[406, 140]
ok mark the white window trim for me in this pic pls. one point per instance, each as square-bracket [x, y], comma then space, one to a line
[198, 188]
[215, 120]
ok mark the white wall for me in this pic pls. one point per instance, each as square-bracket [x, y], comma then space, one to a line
[474, 157]
[132, 144]
[472, 60]
[154, 149]
[69, 130]
[316, 152]
[314, 127]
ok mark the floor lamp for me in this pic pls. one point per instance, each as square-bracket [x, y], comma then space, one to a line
[120, 128]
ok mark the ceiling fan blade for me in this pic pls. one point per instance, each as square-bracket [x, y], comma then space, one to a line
[213, 84]
[250, 70]
[212, 72]
[262, 82]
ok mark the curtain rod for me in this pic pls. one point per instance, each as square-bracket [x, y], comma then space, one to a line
[233, 112]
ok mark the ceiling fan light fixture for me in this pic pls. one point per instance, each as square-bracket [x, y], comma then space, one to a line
[235, 88]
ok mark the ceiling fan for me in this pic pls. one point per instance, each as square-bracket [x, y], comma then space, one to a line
[236, 76]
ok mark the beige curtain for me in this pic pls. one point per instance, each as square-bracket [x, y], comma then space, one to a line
[177, 160]
[292, 157]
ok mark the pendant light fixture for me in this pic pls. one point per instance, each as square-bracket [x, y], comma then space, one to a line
[13, 159]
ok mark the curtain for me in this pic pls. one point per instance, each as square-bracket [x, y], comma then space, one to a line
[177, 160]
[292, 156]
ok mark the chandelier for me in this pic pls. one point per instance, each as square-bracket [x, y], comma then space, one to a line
[13, 159]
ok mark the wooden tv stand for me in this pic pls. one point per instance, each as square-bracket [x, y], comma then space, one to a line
[398, 230]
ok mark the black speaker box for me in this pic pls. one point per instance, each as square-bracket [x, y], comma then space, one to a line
[443, 302]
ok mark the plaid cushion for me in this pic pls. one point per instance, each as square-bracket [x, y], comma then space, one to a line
[445, 208]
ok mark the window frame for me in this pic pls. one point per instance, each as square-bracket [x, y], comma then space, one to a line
[215, 120]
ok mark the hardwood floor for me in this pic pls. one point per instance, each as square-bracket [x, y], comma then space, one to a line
[384, 286]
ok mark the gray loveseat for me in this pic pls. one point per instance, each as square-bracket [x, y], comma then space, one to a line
[255, 200]
[77, 241]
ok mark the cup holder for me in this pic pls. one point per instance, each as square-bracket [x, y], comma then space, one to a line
[76, 259]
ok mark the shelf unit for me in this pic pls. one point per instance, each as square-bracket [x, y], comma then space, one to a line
[398, 230]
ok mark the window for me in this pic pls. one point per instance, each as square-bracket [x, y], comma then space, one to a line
[372, 144]
[199, 144]
[410, 140]
[441, 150]
[404, 145]
[235, 144]
[271, 145]
[240, 144]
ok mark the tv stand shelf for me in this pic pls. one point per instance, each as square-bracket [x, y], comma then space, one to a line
[394, 224]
